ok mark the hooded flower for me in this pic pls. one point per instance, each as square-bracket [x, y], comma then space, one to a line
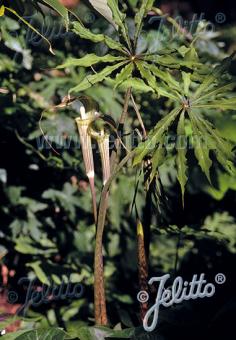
[102, 139]
[88, 113]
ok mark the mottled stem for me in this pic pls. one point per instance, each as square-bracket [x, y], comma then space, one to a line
[99, 284]
[142, 267]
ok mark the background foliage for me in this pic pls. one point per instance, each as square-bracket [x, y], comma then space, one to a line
[47, 229]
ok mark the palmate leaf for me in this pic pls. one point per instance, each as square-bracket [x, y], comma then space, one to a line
[155, 136]
[213, 76]
[89, 60]
[181, 160]
[201, 148]
[142, 12]
[84, 33]
[90, 80]
[119, 19]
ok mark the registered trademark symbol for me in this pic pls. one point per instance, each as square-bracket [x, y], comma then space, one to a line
[220, 18]
[220, 278]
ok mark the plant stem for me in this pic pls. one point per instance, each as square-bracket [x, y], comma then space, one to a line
[139, 117]
[143, 232]
[99, 289]
[120, 129]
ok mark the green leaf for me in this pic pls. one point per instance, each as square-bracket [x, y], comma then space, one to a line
[201, 148]
[164, 91]
[141, 13]
[125, 73]
[25, 245]
[225, 182]
[90, 80]
[84, 33]
[119, 19]
[181, 160]
[187, 81]
[146, 74]
[222, 148]
[171, 61]
[220, 143]
[155, 136]
[123, 334]
[60, 9]
[39, 272]
[191, 54]
[221, 90]
[214, 75]
[221, 104]
[136, 84]
[89, 60]
[165, 76]
[43, 334]
[225, 162]
[158, 159]
[183, 50]
[151, 80]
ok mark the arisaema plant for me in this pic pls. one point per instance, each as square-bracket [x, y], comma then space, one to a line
[176, 74]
